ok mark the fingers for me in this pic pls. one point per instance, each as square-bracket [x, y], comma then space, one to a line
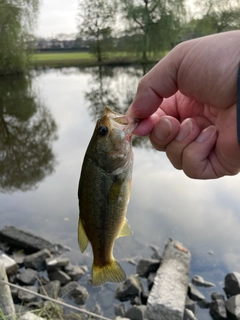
[187, 147]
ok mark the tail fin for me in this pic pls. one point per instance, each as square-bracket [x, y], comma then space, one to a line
[108, 273]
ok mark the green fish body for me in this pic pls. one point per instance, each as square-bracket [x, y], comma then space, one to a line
[104, 191]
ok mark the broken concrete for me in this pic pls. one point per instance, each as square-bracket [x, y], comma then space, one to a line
[167, 298]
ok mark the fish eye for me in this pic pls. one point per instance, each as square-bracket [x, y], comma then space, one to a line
[103, 130]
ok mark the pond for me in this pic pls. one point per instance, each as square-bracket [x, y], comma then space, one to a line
[46, 122]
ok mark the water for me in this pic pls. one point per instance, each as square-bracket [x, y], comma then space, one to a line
[45, 125]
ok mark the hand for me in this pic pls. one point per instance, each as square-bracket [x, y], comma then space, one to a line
[187, 104]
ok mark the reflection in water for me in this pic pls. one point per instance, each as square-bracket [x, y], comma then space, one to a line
[26, 132]
[113, 88]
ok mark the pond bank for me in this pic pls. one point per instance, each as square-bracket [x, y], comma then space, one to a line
[41, 270]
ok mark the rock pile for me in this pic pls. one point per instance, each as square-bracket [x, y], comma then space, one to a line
[159, 287]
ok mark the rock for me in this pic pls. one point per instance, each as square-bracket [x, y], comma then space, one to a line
[97, 309]
[19, 257]
[59, 275]
[150, 280]
[218, 310]
[194, 294]
[54, 263]
[30, 316]
[37, 260]
[136, 313]
[74, 272]
[73, 290]
[51, 289]
[233, 307]
[10, 265]
[189, 315]
[199, 281]
[119, 310]
[144, 297]
[27, 296]
[232, 284]
[6, 302]
[155, 254]
[204, 304]
[27, 276]
[129, 289]
[167, 297]
[190, 304]
[24, 240]
[106, 299]
[146, 266]
[120, 318]
[217, 296]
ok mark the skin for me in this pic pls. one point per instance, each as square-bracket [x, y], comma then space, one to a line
[187, 104]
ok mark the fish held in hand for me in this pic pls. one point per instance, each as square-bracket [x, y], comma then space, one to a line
[104, 191]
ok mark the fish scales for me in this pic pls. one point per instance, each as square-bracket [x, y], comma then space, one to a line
[104, 191]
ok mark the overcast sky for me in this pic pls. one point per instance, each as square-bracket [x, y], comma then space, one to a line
[57, 16]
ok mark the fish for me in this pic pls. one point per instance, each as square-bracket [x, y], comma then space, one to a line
[104, 193]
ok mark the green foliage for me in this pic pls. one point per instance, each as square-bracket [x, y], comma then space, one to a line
[156, 23]
[97, 18]
[16, 20]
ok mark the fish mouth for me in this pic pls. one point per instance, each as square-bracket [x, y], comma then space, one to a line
[127, 124]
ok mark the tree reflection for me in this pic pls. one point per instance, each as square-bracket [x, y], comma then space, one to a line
[115, 88]
[27, 130]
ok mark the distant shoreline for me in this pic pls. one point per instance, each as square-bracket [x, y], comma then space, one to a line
[84, 59]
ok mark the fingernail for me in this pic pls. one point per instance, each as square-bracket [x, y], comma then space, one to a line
[163, 129]
[185, 130]
[206, 134]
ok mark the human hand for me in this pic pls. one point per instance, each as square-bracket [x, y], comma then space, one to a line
[187, 104]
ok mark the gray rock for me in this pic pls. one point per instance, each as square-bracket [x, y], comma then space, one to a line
[136, 313]
[24, 240]
[155, 254]
[189, 315]
[119, 310]
[232, 284]
[106, 299]
[218, 310]
[51, 289]
[190, 304]
[26, 296]
[194, 294]
[59, 275]
[150, 280]
[146, 266]
[167, 297]
[27, 276]
[55, 263]
[120, 318]
[199, 281]
[204, 304]
[233, 307]
[9, 264]
[30, 316]
[6, 301]
[73, 290]
[129, 289]
[97, 309]
[74, 272]
[19, 257]
[37, 260]
[217, 296]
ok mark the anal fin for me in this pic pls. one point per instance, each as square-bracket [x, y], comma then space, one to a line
[126, 230]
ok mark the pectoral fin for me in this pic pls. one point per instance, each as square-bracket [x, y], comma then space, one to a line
[114, 191]
[82, 237]
[126, 230]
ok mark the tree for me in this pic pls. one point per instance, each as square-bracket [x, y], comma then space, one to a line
[97, 18]
[157, 21]
[17, 18]
[27, 130]
[216, 16]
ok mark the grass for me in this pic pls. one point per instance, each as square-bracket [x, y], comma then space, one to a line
[61, 59]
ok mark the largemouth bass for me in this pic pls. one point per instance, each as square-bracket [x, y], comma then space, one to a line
[104, 191]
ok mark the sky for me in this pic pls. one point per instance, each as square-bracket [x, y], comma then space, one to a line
[57, 16]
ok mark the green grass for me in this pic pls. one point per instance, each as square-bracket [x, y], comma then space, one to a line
[54, 56]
